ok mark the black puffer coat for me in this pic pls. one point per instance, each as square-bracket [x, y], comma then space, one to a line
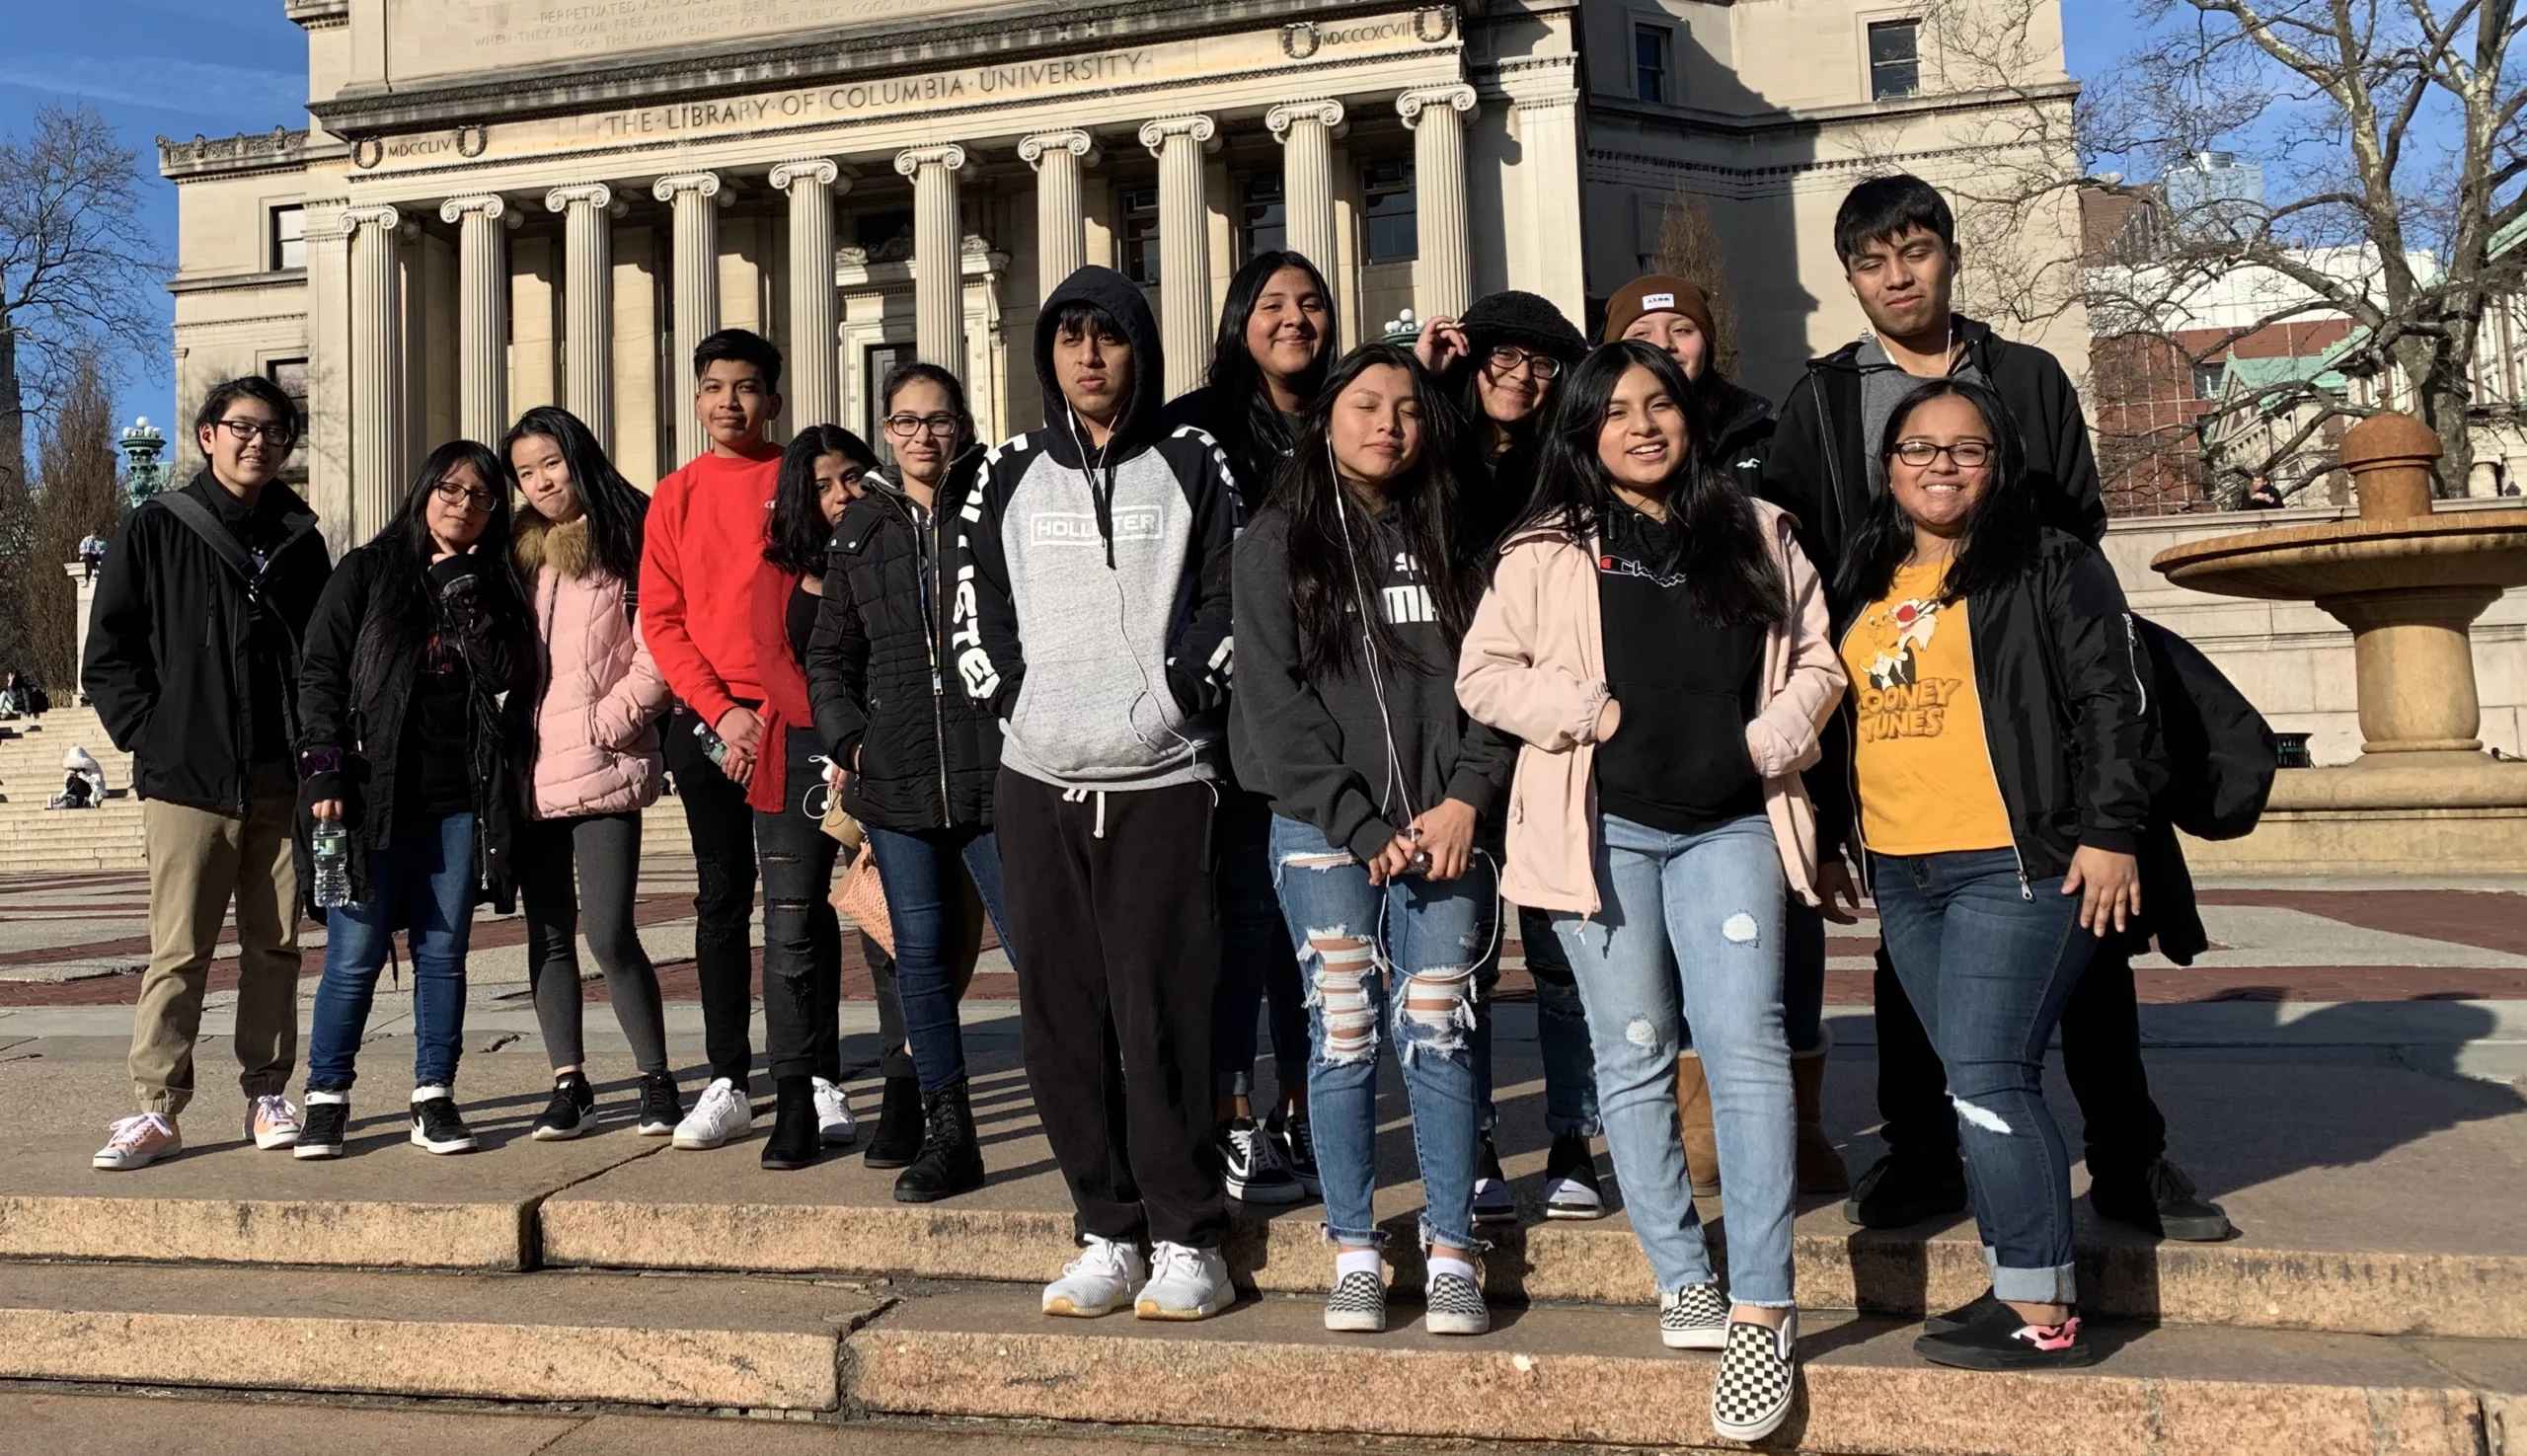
[350, 743]
[877, 666]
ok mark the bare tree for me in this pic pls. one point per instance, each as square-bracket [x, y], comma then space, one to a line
[1689, 248]
[78, 492]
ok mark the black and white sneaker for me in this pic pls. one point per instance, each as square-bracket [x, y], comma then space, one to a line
[1357, 1305]
[329, 1117]
[661, 1108]
[1454, 1306]
[1692, 1317]
[1298, 1149]
[1570, 1188]
[436, 1127]
[570, 1112]
[1492, 1202]
[1251, 1159]
[1758, 1380]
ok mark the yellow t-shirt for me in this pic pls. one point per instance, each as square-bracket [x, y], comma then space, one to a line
[1925, 780]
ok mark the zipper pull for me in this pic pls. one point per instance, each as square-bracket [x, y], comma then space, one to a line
[2026, 892]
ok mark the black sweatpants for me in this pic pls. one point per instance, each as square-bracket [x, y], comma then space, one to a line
[723, 830]
[2100, 1058]
[1111, 905]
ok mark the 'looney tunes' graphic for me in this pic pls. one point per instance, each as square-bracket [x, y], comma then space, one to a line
[1899, 700]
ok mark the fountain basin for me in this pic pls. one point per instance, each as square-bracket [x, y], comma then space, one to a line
[2476, 549]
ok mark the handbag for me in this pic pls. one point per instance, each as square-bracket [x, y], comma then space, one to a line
[862, 899]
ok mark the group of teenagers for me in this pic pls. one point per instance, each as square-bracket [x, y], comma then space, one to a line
[1270, 694]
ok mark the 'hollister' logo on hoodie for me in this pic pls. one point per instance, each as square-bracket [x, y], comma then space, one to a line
[1065, 528]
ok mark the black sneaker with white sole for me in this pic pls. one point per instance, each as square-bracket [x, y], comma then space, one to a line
[1250, 1159]
[570, 1112]
[1758, 1380]
[437, 1128]
[1493, 1202]
[1570, 1188]
[661, 1108]
[1692, 1317]
[1298, 1149]
[321, 1136]
[1357, 1305]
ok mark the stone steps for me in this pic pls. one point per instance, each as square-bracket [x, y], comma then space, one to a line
[37, 840]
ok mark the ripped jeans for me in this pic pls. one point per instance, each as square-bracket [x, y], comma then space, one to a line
[1432, 932]
[1691, 925]
[1988, 963]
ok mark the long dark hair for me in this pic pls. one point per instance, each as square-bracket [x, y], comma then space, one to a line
[614, 510]
[2000, 532]
[1333, 549]
[1718, 541]
[402, 613]
[798, 534]
[1252, 429]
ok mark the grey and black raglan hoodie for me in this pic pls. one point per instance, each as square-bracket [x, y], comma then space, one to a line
[1091, 607]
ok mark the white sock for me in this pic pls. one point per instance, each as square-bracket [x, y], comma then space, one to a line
[1441, 1263]
[1358, 1262]
[425, 1093]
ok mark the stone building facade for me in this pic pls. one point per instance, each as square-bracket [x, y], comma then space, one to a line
[498, 204]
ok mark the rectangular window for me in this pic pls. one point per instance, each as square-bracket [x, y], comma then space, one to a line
[2208, 376]
[1389, 223]
[1894, 59]
[1263, 223]
[876, 362]
[1652, 48]
[289, 248]
[883, 236]
[1140, 235]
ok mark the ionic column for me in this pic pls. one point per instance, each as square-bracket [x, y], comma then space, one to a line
[937, 289]
[483, 314]
[697, 280]
[814, 393]
[1444, 276]
[1061, 242]
[377, 369]
[587, 303]
[1184, 241]
[1305, 131]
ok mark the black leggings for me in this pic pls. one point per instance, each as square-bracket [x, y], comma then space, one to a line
[605, 851]
[802, 937]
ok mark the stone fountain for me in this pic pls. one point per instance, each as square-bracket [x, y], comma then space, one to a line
[2423, 797]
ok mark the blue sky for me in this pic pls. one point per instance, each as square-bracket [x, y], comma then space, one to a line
[217, 67]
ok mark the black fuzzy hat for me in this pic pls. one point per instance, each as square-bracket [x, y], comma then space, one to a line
[1523, 319]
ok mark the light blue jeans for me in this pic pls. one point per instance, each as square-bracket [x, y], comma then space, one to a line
[1690, 925]
[1426, 934]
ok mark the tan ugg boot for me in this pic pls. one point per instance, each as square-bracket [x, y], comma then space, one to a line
[1820, 1167]
[1693, 1120]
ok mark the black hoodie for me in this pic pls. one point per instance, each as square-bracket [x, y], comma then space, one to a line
[1092, 584]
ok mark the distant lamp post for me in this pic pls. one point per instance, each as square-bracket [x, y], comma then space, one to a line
[1403, 329]
[144, 449]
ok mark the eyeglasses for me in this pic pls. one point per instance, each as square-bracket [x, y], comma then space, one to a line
[465, 495]
[906, 425]
[274, 431]
[1967, 454]
[1506, 358]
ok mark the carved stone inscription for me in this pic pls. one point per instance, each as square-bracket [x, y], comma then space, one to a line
[432, 38]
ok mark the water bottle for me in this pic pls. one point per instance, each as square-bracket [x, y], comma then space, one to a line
[714, 747]
[330, 848]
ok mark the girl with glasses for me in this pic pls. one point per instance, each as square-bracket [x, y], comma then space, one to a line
[403, 747]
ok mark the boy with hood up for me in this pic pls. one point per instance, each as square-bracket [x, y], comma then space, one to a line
[1092, 616]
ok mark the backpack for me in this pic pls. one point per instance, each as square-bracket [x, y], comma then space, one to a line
[2220, 752]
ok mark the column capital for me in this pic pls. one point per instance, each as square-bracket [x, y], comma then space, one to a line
[1325, 113]
[1411, 105]
[1154, 135]
[823, 170]
[1031, 149]
[491, 205]
[594, 195]
[668, 188]
[383, 218]
[912, 159]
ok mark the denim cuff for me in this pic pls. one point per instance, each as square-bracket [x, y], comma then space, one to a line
[1432, 1234]
[1353, 1238]
[2056, 1285]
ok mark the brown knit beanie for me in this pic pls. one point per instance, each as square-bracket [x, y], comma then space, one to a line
[1654, 294]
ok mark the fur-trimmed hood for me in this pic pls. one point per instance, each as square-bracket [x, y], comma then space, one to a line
[535, 542]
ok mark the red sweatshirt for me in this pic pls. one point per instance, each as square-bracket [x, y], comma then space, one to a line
[703, 541]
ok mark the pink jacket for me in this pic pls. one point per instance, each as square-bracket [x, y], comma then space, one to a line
[1534, 664]
[596, 735]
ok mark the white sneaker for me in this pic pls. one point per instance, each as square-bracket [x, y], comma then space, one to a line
[271, 1121]
[718, 1115]
[1184, 1284]
[138, 1141]
[1103, 1277]
[834, 1122]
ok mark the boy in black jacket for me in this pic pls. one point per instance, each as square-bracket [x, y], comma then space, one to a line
[192, 665]
[1897, 240]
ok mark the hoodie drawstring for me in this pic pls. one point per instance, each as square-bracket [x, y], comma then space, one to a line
[1080, 795]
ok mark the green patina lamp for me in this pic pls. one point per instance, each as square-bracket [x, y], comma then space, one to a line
[145, 449]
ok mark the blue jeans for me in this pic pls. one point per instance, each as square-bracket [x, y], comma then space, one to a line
[922, 902]
[423, 883]
[1256, 964]
[1691, 925]
[1987, 962]
[1427, 934]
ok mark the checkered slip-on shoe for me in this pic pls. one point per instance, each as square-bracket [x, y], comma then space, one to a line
[1692, 1317]
[1758, 1377]
[1454, 1306]
[1357, 1305]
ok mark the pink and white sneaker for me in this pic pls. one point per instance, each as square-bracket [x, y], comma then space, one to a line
[138, 1141]
[272, 1121]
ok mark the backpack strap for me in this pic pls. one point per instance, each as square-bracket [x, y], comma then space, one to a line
[208, 526]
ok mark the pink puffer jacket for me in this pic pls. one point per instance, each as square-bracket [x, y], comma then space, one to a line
[596, 735]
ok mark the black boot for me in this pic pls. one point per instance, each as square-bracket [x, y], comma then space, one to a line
[951, 1162]
[794, 1140]
[898, 1138]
